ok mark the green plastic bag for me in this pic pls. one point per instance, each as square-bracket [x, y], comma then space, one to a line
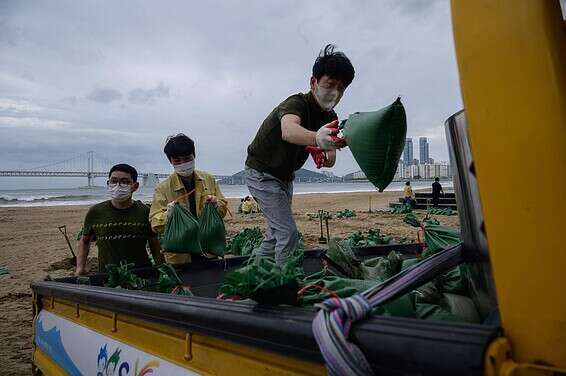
[402, 209]
[346, 213]
[376, 140]
[382, 268]
[434, 312]
[266, 282]
[325, 284]
[462, 308]
[454, 281]
[181, 234]
[341, 254]
[441, 211]
[212, 231]
[439, 237]
[374, 237]
[412, 220]
[169, 282]
[245, 242]
[121, 276]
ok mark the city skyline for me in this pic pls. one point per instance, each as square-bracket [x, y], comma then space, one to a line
[424, 152]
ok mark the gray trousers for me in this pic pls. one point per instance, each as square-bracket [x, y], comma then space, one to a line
[274, 197]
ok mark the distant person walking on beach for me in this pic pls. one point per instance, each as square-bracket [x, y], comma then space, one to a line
[436, 192]
[408, 195]
[278, 149]
[120, 226]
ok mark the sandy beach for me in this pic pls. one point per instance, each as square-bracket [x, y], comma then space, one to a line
[32, 248]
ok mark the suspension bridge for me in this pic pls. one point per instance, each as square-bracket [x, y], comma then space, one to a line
[89, 165]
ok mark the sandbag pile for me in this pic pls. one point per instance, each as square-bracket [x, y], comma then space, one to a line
[444, 298]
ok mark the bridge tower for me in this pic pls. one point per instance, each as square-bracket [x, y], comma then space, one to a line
[90, 168]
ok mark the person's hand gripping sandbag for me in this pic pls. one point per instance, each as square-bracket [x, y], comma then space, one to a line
[327, 138]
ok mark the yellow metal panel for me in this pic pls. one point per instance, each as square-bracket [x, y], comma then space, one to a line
[512, 62]
[203, 354]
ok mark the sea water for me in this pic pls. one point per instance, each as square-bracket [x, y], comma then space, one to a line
[93, 195]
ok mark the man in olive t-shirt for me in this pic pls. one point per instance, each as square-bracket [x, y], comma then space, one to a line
[120, 226]
[279, 148]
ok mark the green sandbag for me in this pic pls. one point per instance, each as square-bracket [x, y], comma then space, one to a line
[346, 213]
[121, 276]
[410, 262]
[441, 211]
[403, 306]
[245, 242]
[374, 237]
[327, 280]
[376, 140]
[212, 231]
[462, 308]
[428, 294]
[181, 234]
[382, 268]
[438, 237]
[402, 209]
[453, 281]
[412, 220]
[434, 312]
[341, 253]
[266, 282]
[169, 282]
[321, 284]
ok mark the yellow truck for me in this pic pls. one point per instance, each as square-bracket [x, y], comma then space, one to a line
[512, 62]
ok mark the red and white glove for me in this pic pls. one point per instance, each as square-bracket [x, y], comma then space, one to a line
[318, 155]
[327, 137]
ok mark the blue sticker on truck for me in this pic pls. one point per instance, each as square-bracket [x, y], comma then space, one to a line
[82, 351]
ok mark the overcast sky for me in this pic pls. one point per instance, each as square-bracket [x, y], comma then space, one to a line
[118, 77]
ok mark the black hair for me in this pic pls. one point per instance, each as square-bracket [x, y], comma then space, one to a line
[122, 167]
[179, 145]
[407, 183]
[334, 64]
[436, 179]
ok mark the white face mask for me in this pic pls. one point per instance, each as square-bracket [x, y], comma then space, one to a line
[119, 193]
[185, 169]
[326, 98]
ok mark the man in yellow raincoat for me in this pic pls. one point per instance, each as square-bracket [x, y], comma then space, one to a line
[180, 151]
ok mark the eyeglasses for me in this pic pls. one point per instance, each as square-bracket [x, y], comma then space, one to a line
[124, 183]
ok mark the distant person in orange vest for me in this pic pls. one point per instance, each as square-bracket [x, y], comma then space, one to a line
[436, 192]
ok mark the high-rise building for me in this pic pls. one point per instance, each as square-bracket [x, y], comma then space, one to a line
[423, 150]
[408, 152]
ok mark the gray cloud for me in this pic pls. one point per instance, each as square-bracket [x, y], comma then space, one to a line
[104, 95]
[213, 70]
[142, 96]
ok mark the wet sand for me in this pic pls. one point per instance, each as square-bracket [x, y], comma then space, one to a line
[31, 248]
